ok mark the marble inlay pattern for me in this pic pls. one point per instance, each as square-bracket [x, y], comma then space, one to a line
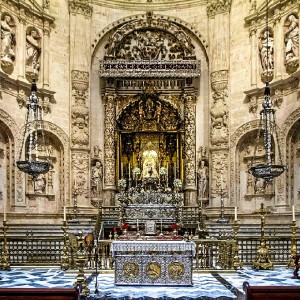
[206, 285]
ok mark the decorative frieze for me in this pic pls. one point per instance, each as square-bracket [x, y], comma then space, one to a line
[215, 7]
[81, 7]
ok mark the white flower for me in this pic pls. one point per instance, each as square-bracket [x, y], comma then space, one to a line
[136, 171]
[177, 183]
[122, 183]
[162, 171]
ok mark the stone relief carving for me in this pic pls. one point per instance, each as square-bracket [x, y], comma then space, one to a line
[215, 7]
[292, 43]
[8, 41]
[159, 40]
[80, 111]
[81, 7]
[219, 170]
[219, 118]
[80, 163]
[96, 178]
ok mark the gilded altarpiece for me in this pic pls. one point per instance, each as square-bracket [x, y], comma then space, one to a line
[149, 69]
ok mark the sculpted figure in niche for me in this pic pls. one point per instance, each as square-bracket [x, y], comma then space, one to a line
[202, 176]
[292, 38]
[97, 175]
[7, 39]
[33, 50]
[149, 165]
[266, 51]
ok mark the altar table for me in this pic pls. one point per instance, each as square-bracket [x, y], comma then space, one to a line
[153, 262]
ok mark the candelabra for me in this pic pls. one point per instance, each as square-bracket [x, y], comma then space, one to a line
[263, 257]
[81, 261]
[65, 258]
[5, 265]
[291, 262]
[236, 258]
[222, 218]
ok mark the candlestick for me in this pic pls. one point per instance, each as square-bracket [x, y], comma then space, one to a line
[65, 214]
[293, 212]
[129, 170]
[121, 170]
[137, 224]
[174, 170]
[235, 213]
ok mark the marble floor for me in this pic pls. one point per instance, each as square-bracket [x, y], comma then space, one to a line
[205, 285]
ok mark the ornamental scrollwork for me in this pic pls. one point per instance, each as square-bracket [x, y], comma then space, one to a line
[81, 7]
[215, 7]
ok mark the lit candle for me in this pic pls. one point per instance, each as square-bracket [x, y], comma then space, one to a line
[4, 211]
[174, 170]
[137, 223]
[235, 213]
[129, 169]
[293, 212]
[65, 214]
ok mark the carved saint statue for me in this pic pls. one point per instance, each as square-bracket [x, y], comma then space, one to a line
[33, 51]
[96, 178]
[292, 38]
[7, 39]
[202, 176]
[266, 51]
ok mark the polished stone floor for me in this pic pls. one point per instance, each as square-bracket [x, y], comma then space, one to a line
[205, 285]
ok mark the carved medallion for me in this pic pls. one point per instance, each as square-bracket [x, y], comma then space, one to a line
[176, 270]
[153, 270]
[130, 270]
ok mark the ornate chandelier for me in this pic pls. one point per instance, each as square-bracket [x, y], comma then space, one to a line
[267, 171]
[34, 129]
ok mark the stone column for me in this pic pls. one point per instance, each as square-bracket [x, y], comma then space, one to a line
[254, 56]
[80, 55]
[46, 31]
[189, 98]
[20, 55]
[279, 55]
[218, 13]
[109, 142]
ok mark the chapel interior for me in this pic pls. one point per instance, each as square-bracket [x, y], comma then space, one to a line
[154, 121]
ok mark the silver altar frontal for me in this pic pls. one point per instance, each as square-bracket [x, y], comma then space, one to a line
[153, 262]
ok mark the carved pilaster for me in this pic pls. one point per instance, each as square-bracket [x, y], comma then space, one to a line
[79, 109]
[109, 141]
[215, 7]
[219, 111]
[219, 170]
[81, 7]
[190, 139]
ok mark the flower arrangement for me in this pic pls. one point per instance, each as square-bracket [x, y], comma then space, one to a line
[136, 171]
[177, 183]
[124, 226]
[162, 171]
[175, 226]
[122, 183]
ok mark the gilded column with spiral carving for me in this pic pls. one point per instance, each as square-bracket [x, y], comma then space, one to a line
[190, 146]
[109, 142]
